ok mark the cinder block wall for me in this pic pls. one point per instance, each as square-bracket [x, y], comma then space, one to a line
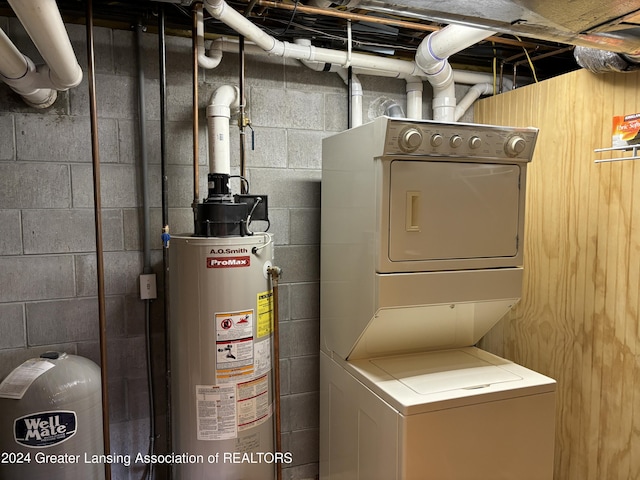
[47, 261]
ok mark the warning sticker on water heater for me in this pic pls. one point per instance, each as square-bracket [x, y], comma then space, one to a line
[234, 344]
[253, 403]
[216, 412]
[265, 313]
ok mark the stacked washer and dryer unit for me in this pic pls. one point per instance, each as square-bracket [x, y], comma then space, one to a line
[421, 254]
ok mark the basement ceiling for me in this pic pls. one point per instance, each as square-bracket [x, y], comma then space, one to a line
[538, 34]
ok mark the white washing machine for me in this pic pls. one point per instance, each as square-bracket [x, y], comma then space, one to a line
[421, 254]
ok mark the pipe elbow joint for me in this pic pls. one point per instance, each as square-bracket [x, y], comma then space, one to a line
[223, 100]
[71, 79]
[214, 7]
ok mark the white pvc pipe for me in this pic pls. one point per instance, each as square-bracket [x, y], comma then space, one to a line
[431, 57]
[467, 77]
[19, 73]
[42, 21]
[471, 96]
[443, 97]
[230, 45]
[13, 65]
[355, 114]
[220, 10]
[208, 62]
[222, 101]
[414, 97]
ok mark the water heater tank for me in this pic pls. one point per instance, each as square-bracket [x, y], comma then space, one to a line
[51, 421]
[221, 365]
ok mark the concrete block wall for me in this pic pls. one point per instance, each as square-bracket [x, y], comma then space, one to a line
[47, 241]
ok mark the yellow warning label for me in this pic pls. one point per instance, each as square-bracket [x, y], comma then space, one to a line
[265, 313]
[231, 373]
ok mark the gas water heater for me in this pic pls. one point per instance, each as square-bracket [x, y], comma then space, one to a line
[221, 341]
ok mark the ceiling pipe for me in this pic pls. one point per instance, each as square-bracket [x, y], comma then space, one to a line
[38, 85]
[220, 10]
[467, 77]
[19, 72]
[414, 83]
[432, 58]
[43, 22]
[215, 57]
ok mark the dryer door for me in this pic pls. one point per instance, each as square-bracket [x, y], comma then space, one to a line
[453, 211]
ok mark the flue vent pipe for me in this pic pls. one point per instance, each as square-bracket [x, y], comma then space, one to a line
[224, 99]
[432, 58]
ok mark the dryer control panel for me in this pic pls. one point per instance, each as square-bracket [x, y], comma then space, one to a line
[458, 140]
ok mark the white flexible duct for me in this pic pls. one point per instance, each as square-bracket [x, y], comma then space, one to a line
[431, 57]
[42, 21]
[224, 99]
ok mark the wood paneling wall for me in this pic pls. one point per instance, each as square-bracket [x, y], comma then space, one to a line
[577, 320]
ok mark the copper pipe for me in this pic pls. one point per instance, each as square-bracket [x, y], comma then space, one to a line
[196, 173]
[275, 273]
[102, 317]
[421, 27]
[545, 55]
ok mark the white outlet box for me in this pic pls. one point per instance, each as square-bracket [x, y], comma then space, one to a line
[148, 289]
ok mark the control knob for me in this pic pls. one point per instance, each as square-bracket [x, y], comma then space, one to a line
[515, 145]
[436, 140]
[410, 139]
[475, 142]
[455, 141]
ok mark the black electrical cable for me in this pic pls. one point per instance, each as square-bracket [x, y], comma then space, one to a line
[293, 14]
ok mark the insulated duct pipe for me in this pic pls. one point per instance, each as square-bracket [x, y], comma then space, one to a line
[432, 58]
[222, 101]
[43, 22]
